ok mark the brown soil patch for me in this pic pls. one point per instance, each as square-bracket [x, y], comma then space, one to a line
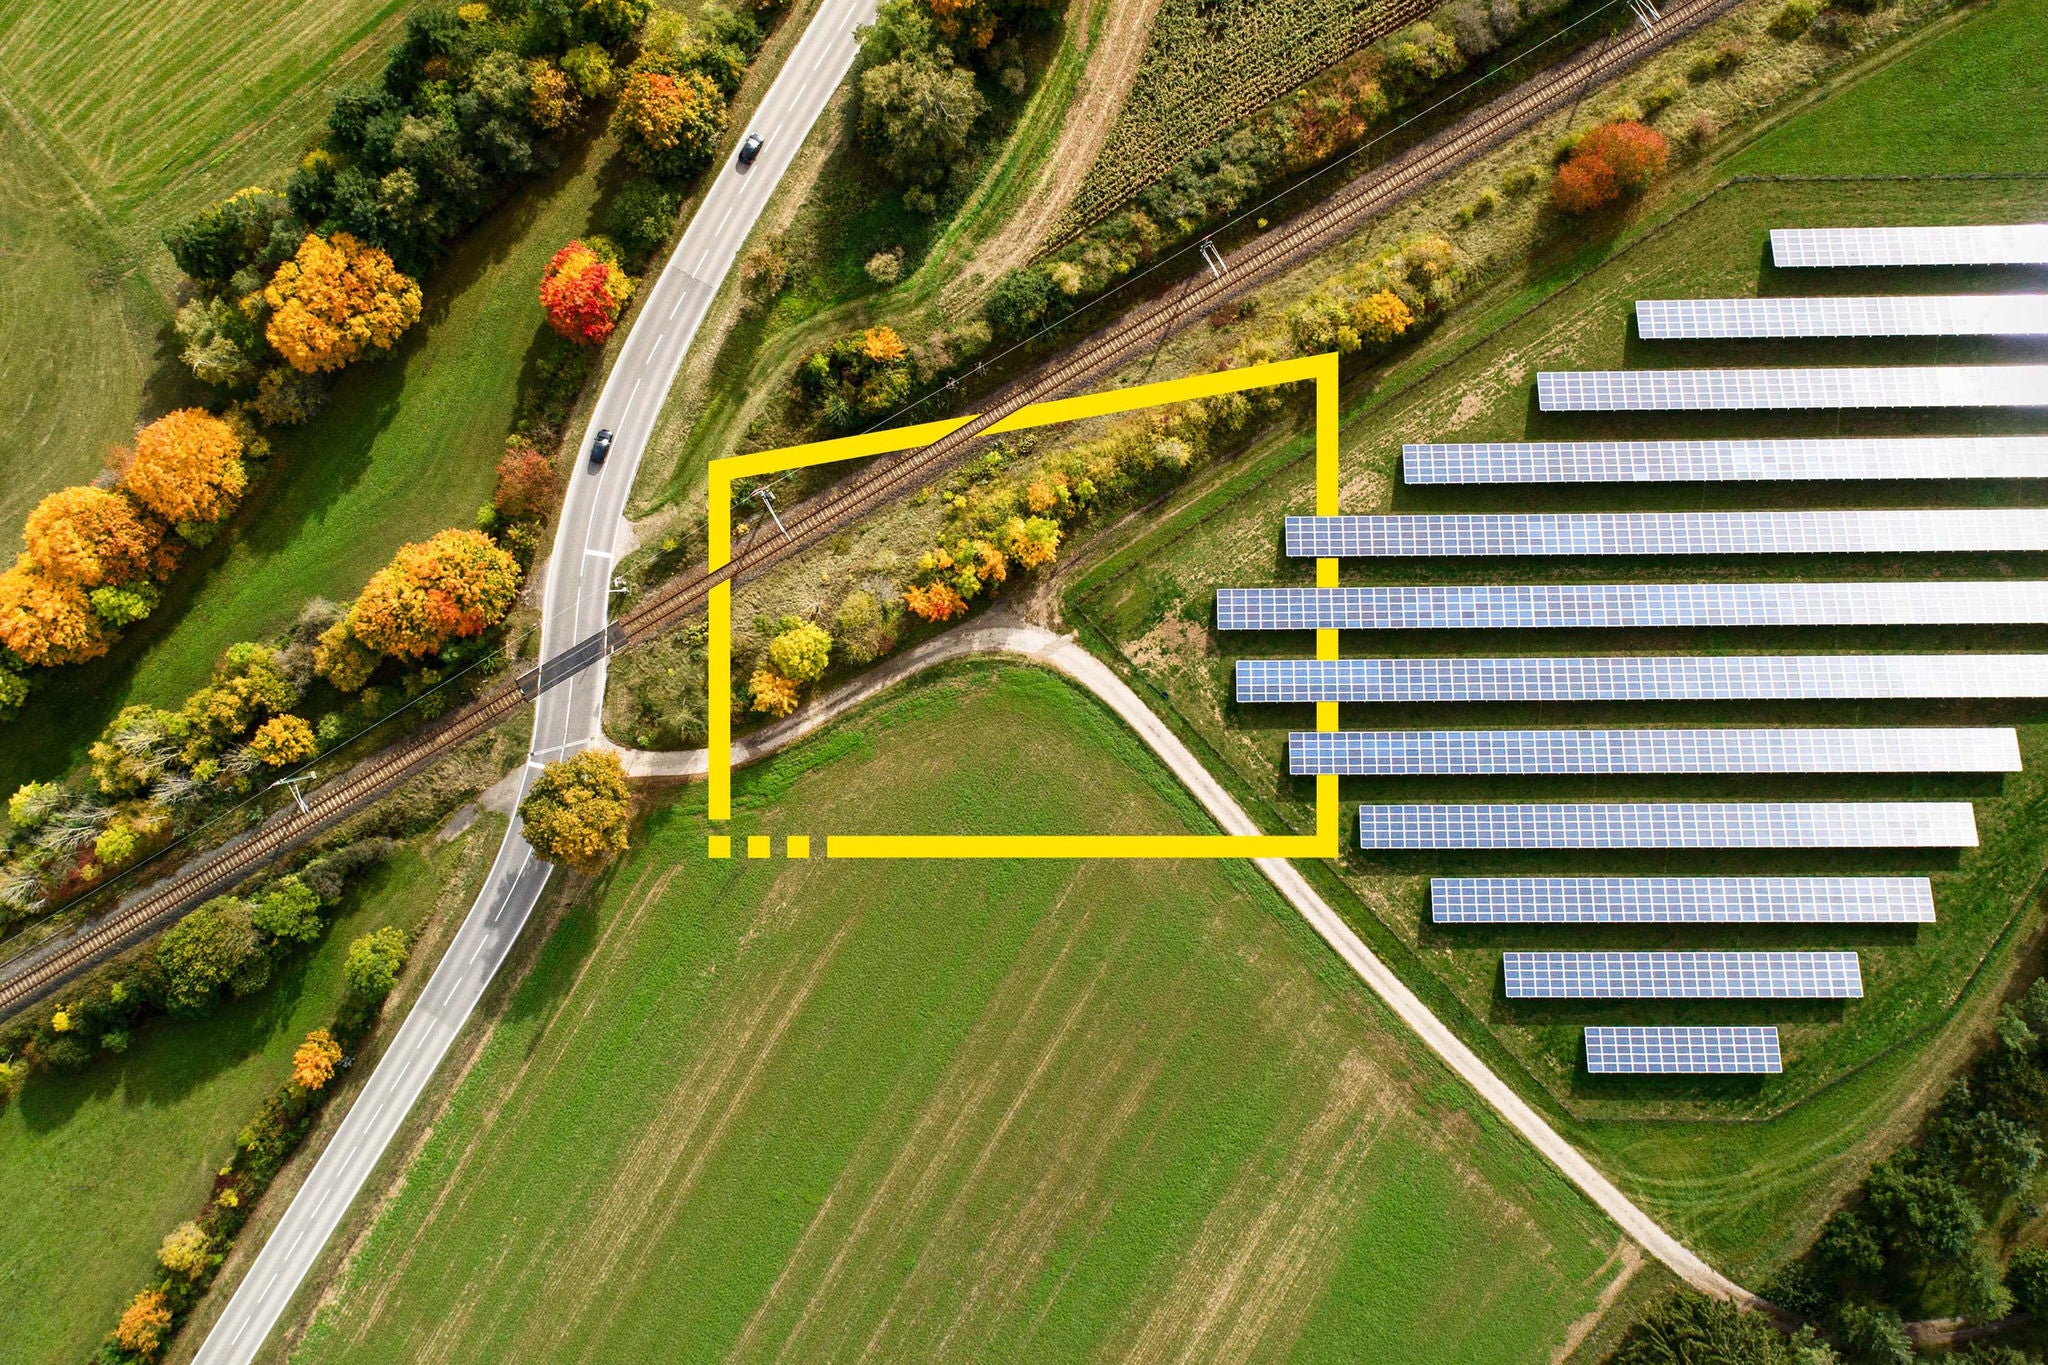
[1631, 1258]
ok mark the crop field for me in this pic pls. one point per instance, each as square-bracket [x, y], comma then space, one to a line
[1023, 1110]
[1849, 1068]
[96, 1167]
[1209, 63]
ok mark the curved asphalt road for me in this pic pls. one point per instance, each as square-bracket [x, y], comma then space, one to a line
[576, 605]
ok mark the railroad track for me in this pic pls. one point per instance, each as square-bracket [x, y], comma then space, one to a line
[43, 970]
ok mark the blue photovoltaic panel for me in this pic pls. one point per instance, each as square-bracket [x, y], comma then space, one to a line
[1395, 753]
[1546, 606]
[1895, 315]
[1868, 386]
[1741, 461]
[1682, 976]
[1989, 244]
[1681, 900]
[1879, 531]
[1632, 677]
[1703, 1049]
[1672, 824]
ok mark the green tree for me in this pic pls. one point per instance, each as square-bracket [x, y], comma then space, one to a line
[1849, 1248]
[373, 963]
[1873, 1335]
[2027, 1277]
[1923, 1212]
[916, 114]
[215, 947]
[288, 911]
[1691, 1329]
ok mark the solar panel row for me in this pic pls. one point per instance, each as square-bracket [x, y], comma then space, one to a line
[1988, 244]
[1397, 753]
[1833, 458]
[1884, 531]
[1682, 976]
[1637, 605]
[1707, 1049]
[1686, 677]
[1898, 315]
[1671, 824]
[1681, 900]
[1870, 386]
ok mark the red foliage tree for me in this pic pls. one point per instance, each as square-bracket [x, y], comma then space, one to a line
[526, 483]
[582, 294]
[1613, 160]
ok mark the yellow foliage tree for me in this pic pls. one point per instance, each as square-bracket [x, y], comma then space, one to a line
[282, 741]
[184, 1250]
[187, 467]
[453, 585]
[90, 537]
[1032, 541]
[1382, 317]
[578, 810]
[314, 1062]
[46, 620]
[336, 298]
[772, 694]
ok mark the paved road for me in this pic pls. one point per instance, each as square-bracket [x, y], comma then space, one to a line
[1063, 654]
[575, 605]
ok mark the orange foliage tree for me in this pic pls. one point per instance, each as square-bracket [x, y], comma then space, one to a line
[449, 587]
[937, 602]
[46, 620]
[187, 467]
[144, 1324]
[91, 537]
[1613, 160]
[883, 345]
[314, 1062]
[336, 298]
[526, 483]
[582, 294]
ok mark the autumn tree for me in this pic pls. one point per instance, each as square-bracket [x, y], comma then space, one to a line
[342, 659]
[452, 586]
[578, 809]
[144, 1324]
[187, 467]
[526, 482]
[551, 101]
[335, 299]
[934, 602]
[1608, 163]
[582, 293]
[669, 121]
[882, 345]
[47, 621]
[801, 651]
[282, 741]
[185, 1250]
[374, 960]
[89, 537]
[314, 1062]
[772, 694]
[1032, 541]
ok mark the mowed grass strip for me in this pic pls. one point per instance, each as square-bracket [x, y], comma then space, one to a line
[1030, 1110]
[95, 1167]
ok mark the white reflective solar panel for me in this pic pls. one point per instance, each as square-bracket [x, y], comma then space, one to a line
[1683, 677]
[1681, 900]
[1742, 461]
[1682, 976]
[1672, 824]
[1989, 244]
[1701, 1049]
[1879, 531]
[1898, 315]
[1545, 606]
[1394, 753]
[1866, 386]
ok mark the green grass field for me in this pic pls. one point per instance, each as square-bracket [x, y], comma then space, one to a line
[1748, 1188]
[96, 1166]
[1026, 1110]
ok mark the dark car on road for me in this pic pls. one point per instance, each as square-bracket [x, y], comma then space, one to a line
[600, 446]
[750, 149]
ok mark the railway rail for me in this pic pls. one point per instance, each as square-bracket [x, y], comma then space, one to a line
[40, 972]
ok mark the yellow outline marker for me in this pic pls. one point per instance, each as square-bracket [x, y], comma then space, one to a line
[1324, 843]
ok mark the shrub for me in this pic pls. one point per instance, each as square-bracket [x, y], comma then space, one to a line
[371, 968]
[314, 1062]
[1873, 1334]
[1019, 301]
[934, 602]
[578, 810]
[2027, 1278]
[801, 652]
[289, 911]
[772, 694]
[1731, 53]
[342, 659]
[185, 1250]
[33, 803]
[1032, 541]
[864, 633]
[1611, 161]
[282, 741]
[144, 1324]
[885, 267]
[526, 482]
[641, 216]
[1792, 19]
